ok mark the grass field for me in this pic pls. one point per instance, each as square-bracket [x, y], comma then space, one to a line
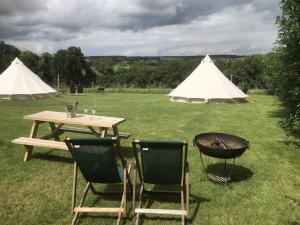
[266, 181]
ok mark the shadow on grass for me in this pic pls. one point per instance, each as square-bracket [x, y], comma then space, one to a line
[283, 115]
[115, 198]
[294, 199]
[296, 223]
[194, 201]
[239, 173]
[280, 113]
[55, 158]
[111, 219]
[291, 142]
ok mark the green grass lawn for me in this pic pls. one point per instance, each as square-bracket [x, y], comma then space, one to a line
[266, 181]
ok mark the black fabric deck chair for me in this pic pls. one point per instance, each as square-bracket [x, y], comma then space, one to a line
[161, 163]
[96, 160]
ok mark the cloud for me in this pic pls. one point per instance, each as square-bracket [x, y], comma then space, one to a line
[8, 7]
[139, 27]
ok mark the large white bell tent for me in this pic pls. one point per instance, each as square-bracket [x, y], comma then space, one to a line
[19, 82]
[207, 84]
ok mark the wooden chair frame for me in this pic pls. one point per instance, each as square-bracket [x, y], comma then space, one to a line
[121, 211]
[184, 189]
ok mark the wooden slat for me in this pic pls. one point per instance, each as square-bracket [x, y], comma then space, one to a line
[161, 211]
[98, 210]
[88, 131]
[40, 143]
[76, 130]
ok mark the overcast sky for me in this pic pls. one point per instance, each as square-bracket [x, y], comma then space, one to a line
[141, 27]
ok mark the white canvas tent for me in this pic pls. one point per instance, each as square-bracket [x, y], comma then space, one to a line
[19, 82]
[206, 84]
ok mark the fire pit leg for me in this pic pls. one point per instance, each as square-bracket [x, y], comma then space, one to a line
[231, 168]
[203, 167]
[202, 162]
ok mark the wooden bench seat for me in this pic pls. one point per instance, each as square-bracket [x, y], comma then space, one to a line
[87, 131]
[40, 143]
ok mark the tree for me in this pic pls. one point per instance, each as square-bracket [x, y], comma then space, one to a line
[72, 67]
[31, 60]
[59, 65]
[271, 72]
[288, 51]
[45, 67]
[247, 72]
[75, 65]
[7, 54]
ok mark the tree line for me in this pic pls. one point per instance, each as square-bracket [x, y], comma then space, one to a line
[67, 65]
[167, 72]
[72, 67]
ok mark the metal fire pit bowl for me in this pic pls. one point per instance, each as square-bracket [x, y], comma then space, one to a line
[236, 146]
[223, 146]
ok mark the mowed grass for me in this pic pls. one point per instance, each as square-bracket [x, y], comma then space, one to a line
[266, 180]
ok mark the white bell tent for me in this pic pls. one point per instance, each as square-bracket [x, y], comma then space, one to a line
[19, 82]
[206, 84]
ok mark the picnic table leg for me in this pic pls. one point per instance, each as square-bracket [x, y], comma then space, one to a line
[53, 130]
[116, 132]
[93, 131]
[103, 131]
[33, 133]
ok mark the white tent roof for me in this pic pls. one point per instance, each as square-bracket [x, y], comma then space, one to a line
[19, 81]
[206, 83]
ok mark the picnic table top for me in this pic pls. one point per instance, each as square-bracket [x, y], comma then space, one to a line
[80, 119]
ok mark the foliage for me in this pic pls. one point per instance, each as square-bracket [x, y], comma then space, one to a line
[248, 72]
[7, 54]
[141, 72]
[59, 65]
[45, 67]
[168, 72]
[72, 67]
[70, 64]
[133, 72]
[292, 123]
[271, 71]
[288, 78]
[31, 60]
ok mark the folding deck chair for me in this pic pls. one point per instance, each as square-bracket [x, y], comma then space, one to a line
[161, 163]
[96, 160]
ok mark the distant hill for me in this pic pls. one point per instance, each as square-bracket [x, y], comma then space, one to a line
[159, 58]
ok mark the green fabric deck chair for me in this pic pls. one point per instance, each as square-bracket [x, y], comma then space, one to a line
[161, 163]
[96, 160]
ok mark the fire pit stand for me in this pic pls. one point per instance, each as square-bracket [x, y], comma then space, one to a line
[223, 176]
[223, 146]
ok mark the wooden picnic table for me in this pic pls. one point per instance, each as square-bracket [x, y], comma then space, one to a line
[95, 125]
